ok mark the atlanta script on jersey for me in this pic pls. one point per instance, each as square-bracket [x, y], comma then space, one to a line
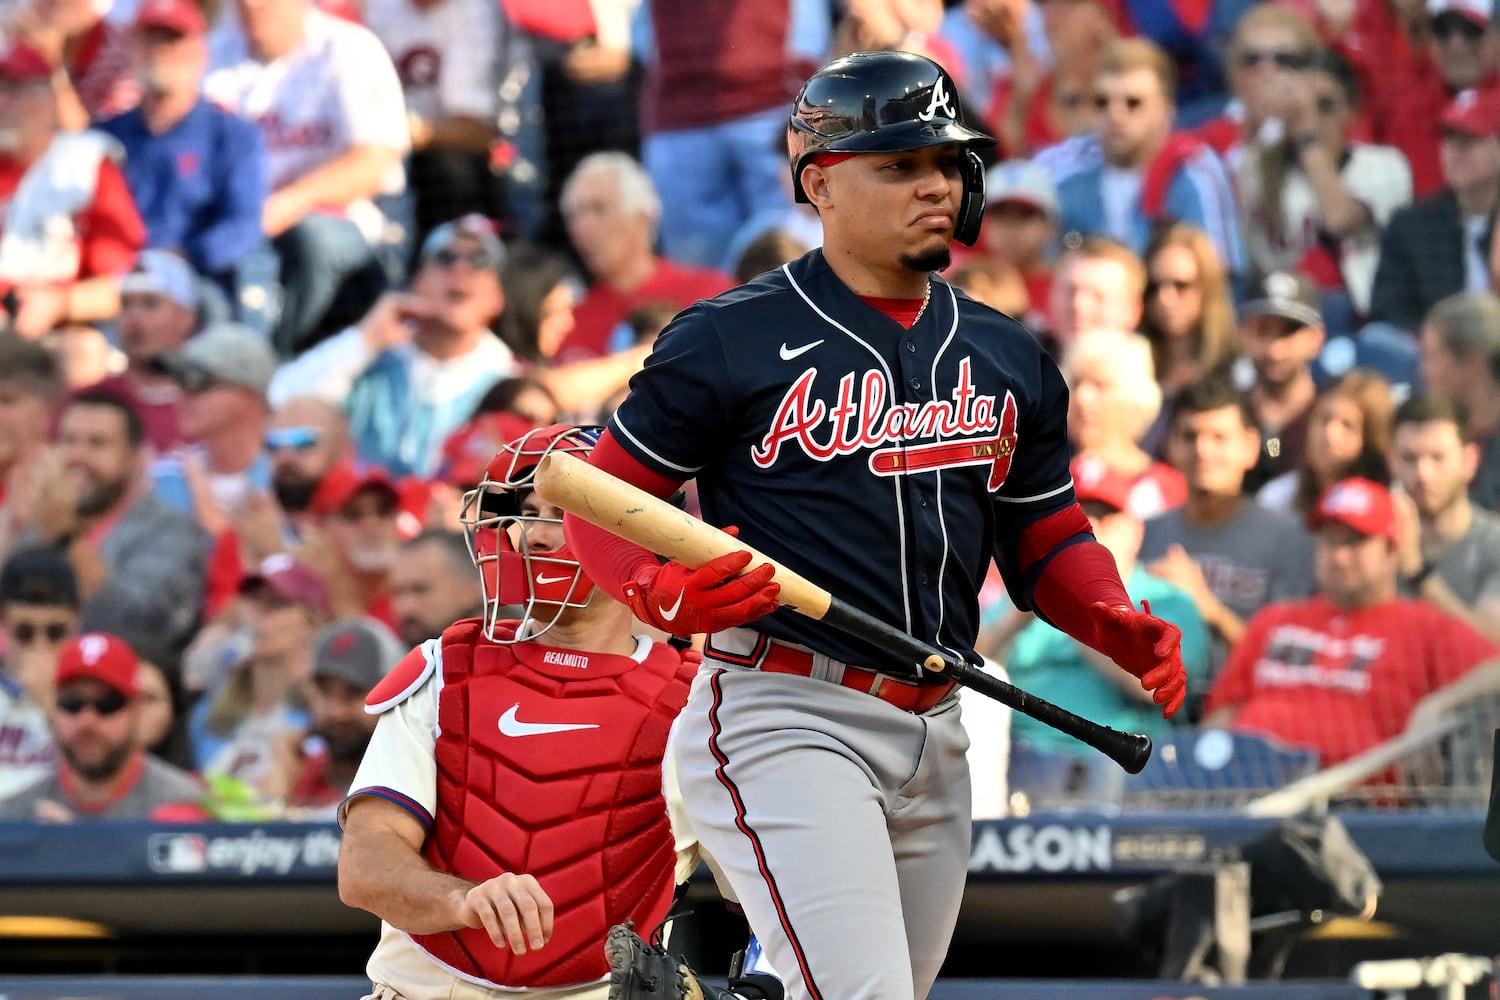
[877, 455]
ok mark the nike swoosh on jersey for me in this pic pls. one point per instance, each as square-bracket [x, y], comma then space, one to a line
[551, 579]
[792, 353]
[667, 613]
[512, 726]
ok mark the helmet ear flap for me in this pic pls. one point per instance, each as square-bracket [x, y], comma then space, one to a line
[971, 206]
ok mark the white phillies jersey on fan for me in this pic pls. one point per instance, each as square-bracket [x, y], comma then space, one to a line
[444, 52]
[336, 91]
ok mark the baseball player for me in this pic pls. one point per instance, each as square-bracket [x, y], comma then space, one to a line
[509, 808]
[879, 432]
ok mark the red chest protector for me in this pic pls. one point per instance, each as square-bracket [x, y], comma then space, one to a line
[549, 763]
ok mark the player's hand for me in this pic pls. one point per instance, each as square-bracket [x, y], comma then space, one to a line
[684, 601]
[513, 909]
[1146, 646]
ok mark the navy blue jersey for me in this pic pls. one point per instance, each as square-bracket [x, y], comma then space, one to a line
[885, 465]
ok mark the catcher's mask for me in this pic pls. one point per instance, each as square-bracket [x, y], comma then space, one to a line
[521, 555]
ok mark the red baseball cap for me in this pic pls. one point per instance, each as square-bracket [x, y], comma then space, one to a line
[101, 656]
[183, 17]
[1361, 504]
[1473, 112]
[292, 581]
[1096, 482]
[346, 481]
[20, 63]
[468, 450]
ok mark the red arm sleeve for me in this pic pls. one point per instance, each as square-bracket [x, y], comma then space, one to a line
[1075, 572]
[609, 560]
[112, 230]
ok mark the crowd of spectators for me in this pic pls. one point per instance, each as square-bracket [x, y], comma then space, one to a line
[277, 277]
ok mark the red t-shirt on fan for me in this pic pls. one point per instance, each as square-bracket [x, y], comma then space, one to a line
[1312, 675]
[604, 308]
[109, 230]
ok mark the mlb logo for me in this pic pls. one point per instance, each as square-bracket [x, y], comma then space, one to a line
[177, 853]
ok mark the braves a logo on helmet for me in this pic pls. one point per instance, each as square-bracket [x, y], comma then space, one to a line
[939, 101]
[967, 429]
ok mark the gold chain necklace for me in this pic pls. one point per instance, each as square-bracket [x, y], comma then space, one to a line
[926, 298]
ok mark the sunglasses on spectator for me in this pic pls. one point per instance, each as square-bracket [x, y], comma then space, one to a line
[1283, 58]
[195, 381]
[293, 438]
[27, 633]
[1132, 102]
[105, 704]
[1175, 284]
[479, 260]
[1445, 26]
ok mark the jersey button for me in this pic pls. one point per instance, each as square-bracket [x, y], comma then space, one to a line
[922, 501]
[924, 579]
[911, 347]
[916, 383]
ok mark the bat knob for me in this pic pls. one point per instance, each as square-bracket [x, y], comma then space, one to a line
[935, 663]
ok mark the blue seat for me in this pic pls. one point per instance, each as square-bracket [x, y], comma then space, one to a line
[1204, 767]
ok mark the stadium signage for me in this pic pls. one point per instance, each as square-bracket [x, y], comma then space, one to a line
[253, 852]
[1052, 847]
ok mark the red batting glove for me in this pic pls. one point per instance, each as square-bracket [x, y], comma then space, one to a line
[683, 601]
[1147, 647]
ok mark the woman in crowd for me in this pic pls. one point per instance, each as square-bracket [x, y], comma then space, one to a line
[1188, 316]
[247, 730]
[1114, 399]
[1349, 435]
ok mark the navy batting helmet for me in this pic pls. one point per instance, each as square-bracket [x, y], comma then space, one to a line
[880, 102]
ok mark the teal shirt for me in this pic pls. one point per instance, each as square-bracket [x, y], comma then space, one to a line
[1050, 665]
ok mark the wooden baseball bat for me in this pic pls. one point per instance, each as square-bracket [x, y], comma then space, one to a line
[635, 515]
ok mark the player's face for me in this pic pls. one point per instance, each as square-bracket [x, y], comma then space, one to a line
[1092, 293]
[23, 422]
[543, 536]
[1174, 293]
[1354, 570]
[1134, 115]
[1280, 349]
[1213, 450]
[1335, 435]
[96, 727]
[151, 325]
[100, 462]
[1432, 465]
[895, 208]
